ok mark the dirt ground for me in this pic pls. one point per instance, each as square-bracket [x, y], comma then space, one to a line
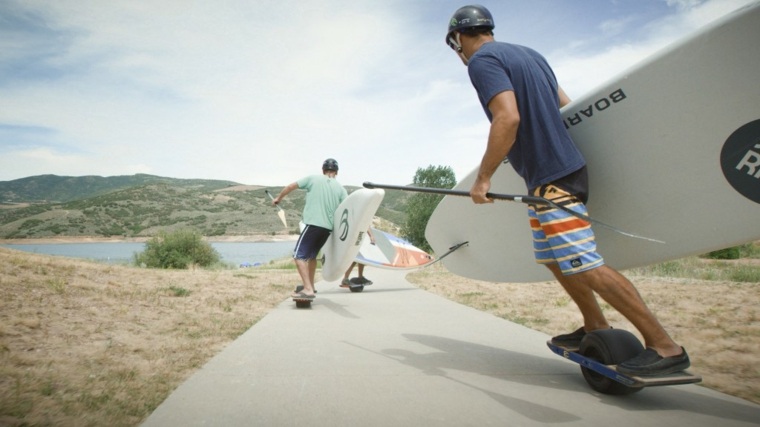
[88, 344]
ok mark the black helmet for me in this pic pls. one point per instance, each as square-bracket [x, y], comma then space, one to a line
[330, 165]
[468, 18]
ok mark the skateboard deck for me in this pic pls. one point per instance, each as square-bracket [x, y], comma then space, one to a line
[300, 301]
[609, 371]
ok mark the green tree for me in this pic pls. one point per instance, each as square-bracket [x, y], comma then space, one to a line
[421, 205]
[178, 250]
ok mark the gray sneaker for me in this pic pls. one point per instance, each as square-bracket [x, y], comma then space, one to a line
[651, 364]
[571, 340]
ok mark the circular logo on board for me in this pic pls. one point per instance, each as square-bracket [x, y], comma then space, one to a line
[344, 225]
[740, 160]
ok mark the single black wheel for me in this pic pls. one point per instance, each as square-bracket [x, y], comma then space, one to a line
[357, 285]
[610, 347]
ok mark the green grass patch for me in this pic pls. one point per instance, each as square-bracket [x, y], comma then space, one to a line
[703, 269]
[179, 292]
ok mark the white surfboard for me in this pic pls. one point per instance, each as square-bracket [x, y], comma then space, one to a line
[391, 252]
[352, 219]
[673, 150]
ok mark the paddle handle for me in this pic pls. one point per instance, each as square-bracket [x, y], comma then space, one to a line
[270, 196]
[448, 192]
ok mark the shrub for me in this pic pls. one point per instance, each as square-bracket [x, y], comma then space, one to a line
[727, 253]
[178, 250]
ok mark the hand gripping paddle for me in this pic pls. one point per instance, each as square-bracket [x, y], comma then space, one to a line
[280, 212]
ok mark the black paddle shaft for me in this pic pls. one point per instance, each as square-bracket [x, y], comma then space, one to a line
[530, 200]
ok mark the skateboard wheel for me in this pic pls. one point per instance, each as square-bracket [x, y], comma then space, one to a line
[356, 288]
[303, 304]
[610, 347]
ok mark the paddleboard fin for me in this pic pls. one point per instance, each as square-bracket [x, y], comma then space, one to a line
[449, 252]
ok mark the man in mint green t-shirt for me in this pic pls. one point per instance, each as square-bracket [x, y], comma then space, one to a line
[323, 195]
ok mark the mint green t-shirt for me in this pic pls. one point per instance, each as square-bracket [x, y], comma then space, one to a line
[323, 195]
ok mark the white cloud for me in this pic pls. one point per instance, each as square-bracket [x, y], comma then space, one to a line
[579, 74]
[260, 92]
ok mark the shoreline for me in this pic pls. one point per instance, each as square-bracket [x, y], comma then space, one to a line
[253, 238]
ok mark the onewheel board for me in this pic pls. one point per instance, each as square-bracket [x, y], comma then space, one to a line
[352, 220]
[600, 351]
[673, 152]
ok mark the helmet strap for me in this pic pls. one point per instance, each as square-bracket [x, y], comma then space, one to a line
[458, 43]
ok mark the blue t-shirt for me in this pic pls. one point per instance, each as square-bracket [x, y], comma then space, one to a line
[543, 150]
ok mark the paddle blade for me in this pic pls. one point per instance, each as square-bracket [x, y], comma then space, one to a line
[281, 214]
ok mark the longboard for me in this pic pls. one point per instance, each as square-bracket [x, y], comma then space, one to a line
[673, 151]
[598, 365]
[391, 252]
[302, 302]
[352, 219]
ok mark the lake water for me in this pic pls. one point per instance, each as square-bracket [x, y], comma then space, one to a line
[237, 253]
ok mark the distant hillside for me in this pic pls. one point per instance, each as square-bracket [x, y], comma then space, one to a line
[143, 205]
[54, 188]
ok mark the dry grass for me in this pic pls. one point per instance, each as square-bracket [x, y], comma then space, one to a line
[91, 344]
[87, 344]
[718, 322]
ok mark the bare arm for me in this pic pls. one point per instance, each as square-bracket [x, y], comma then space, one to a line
[501, 137]
[285, 191]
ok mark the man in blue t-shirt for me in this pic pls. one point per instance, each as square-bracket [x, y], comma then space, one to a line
[323, 195]
[520, 95]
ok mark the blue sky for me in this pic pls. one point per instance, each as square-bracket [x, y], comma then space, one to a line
[262, 91]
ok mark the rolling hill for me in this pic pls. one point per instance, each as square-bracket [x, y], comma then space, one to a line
[142, 205]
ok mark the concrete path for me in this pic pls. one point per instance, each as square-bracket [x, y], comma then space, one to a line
[395, 355]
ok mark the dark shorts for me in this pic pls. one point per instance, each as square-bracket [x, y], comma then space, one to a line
[559, 237]
[310, 241]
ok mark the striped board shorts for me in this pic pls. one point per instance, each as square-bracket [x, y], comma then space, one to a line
[561, 237]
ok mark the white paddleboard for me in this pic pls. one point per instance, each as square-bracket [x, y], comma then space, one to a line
[673, 151]
[391, 252]
[353, 218]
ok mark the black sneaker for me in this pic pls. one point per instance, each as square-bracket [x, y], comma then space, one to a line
[571, 340]
[649, 364]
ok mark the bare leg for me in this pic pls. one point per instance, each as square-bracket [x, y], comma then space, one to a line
[584, 298]
[304, 268]
[312, 273]
[348, 272]
[620, 293]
